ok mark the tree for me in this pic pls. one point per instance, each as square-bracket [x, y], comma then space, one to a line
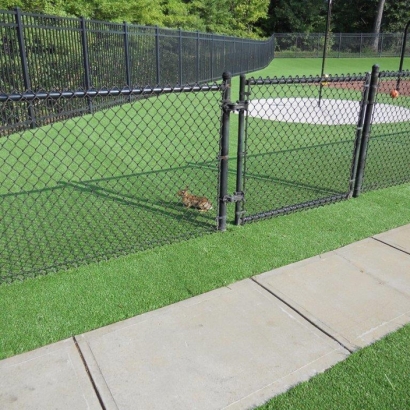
[378, 23]
[297, 16]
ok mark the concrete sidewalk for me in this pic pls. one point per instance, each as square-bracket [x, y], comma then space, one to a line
[232, 348]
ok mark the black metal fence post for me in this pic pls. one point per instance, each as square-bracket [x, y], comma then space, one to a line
[127, 58]
[361, 44]
[212, 56]
[127, 55]
[157, 55]
[374, 80]
[180, 56]
[24, 65]
[87, 77]
[240, 151]
[340, 45]
[403, 51]
[359, 133]
[224, 151]
[197, 57]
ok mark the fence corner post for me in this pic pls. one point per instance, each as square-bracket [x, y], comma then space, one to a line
[367, 124]
[224, 152]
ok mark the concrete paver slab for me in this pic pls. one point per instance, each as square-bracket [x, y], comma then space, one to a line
[341, 298]
[387, 264]
[399, 238]
[52, 377]
[231, 348]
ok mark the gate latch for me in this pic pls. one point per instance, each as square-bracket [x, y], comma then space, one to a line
[236, 197]
[238, 106]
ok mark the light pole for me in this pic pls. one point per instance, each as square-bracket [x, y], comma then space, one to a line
[329, 12]
[403, 50]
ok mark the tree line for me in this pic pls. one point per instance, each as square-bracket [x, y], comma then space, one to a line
[243, 18]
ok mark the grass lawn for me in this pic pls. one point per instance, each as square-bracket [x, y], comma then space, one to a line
[45, 309]
[104, 185]
[376, 377]
[312, 66]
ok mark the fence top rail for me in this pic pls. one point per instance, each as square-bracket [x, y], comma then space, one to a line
[306, 80]
[114, 92]
[405, 73]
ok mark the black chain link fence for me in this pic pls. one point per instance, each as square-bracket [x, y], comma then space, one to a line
[301, 139]
[109, 183]
[340, 45]
[42, 52]
[388, 153]
[159, 168]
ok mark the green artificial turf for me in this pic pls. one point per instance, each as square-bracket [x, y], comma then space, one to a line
[312, 66]
[49, 308]
[106, 184]
[376, 377]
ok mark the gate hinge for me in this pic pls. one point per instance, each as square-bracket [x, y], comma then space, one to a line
[238, 106]
[236, 197]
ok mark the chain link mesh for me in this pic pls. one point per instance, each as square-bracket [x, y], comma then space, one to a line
[343, 45]
[108, 183]
[388, 152]
[146, 172]
[299, 148]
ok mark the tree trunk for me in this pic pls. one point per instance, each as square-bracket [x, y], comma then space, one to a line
[377, 24]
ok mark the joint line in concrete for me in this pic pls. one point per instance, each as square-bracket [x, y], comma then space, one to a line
[89, 374]
[303, 316]
[391, 246]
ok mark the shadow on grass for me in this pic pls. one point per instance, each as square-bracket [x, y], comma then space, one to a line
[59, 227]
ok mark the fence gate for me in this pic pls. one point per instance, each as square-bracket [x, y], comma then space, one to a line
[299, 139]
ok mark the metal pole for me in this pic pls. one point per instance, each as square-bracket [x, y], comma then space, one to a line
[240, 151]
[212, 57]
[361, 44]
[86, 62]
[180, 56]
[223, 154]
[359, 133]
[374, 80]
[403, 50]
[329, 11]
[340, 44]
[197, 57]
[157, 54]
[127, 58]
[24, 65]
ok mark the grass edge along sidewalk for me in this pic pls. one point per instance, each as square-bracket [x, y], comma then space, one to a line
[375, 377]
[46, 309]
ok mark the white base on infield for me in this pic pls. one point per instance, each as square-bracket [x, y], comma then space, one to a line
[330, 112]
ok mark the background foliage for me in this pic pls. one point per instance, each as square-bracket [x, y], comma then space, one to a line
[245, 18]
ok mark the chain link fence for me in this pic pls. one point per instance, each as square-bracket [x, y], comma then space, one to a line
[160, 167]
[302, 134]
[105, 184]
[388, 152]
[339, 45]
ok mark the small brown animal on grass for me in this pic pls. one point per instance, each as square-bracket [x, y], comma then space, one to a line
[199, 202]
